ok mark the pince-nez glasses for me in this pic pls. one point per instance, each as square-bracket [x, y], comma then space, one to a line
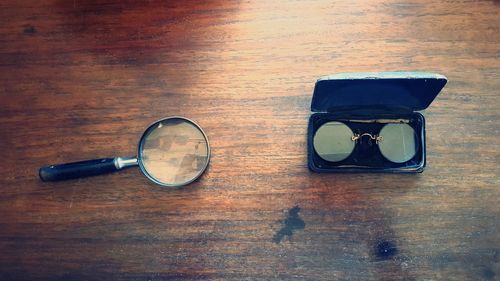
[335, 141]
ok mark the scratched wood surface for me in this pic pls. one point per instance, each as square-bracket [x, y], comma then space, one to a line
[83, 79]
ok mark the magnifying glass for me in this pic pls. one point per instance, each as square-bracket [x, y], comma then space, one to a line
[172, 152]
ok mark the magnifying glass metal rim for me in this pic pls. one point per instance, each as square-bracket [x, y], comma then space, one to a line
[141, 144]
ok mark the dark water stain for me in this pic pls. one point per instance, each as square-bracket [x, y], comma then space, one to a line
[29, 29]
[488, 273]
[385, 250]
[291, 223]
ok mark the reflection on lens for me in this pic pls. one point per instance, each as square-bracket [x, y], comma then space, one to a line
[398, 144]
[174, 152]
[332, 141]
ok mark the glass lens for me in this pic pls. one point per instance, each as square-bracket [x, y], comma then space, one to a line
[332, 141]
[398, 144]
[174, 152]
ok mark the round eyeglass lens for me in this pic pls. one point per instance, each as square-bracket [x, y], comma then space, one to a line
[333, 141]
[398, 144]
[174, 152]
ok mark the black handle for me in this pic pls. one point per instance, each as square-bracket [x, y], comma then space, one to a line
[77, 169]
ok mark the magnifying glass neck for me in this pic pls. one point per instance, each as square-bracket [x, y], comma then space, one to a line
[124, 162]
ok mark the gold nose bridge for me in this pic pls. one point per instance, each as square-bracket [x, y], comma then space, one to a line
[376, 138]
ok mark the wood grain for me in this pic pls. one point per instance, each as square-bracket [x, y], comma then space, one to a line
[83, 79]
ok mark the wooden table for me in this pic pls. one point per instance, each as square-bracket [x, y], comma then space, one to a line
[83, 79]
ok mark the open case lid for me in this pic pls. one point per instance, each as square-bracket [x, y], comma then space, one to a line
[409, 91]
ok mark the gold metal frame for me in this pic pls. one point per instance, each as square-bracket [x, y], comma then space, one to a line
[376, 138]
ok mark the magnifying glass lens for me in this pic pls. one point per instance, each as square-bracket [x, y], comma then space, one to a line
[398, 144]
[173, 152]
[333, 142]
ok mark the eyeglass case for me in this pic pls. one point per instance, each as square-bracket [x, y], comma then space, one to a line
[366, 102]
